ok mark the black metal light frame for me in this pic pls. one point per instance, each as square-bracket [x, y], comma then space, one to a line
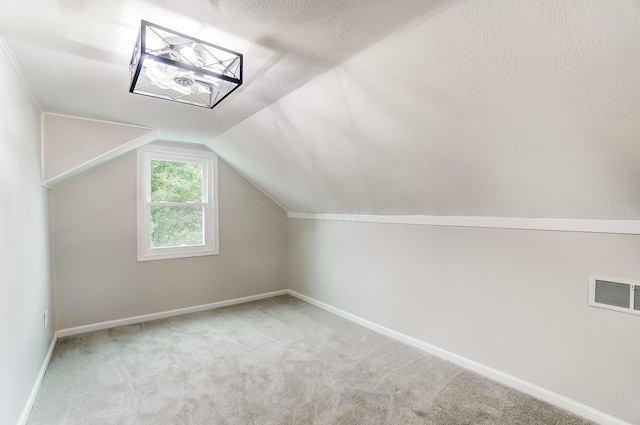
[226, 67]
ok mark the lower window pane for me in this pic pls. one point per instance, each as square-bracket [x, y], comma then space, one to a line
[174, 226]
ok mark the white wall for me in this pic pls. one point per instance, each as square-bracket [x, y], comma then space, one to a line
[98, 277]
[25, 276]
[514, 300]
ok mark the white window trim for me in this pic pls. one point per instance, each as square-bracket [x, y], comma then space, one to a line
[209, 160]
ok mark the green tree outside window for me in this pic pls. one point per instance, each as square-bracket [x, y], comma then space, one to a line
[176, 225]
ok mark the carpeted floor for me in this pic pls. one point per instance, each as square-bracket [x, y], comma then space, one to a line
[276, 361]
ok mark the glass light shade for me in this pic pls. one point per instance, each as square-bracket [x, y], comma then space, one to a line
[173, 66]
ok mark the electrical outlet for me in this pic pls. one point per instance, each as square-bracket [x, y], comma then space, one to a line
[46, 318]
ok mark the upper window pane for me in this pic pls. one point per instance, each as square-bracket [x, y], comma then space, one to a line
[176, 181]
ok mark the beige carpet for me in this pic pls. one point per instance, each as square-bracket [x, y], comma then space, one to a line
[277, 361]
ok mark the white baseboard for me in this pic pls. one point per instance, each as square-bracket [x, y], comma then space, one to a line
[496, 375]
[164, 314]
[511, 381]
[127, 321]
[38, 383]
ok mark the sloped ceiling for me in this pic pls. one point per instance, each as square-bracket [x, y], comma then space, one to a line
[75, 53]
[471, 107]
[494, 108]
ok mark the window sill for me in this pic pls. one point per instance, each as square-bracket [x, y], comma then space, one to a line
[172, 255]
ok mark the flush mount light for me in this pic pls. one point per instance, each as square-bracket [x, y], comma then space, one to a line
[173, 66]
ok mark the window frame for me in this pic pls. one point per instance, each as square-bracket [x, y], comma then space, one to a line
[209, 162]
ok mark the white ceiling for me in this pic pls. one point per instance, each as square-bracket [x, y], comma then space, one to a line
[492, 108]
[473, 107]
[75, 53]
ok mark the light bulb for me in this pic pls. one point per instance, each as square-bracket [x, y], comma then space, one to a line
[194, 54]
[189, 54]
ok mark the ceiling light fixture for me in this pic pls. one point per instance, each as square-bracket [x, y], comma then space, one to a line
[173, 66]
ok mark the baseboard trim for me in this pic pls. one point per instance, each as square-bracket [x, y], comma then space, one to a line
[26, 411]
[506, 379]
[496, 375]
[628, 227]
[164, 314]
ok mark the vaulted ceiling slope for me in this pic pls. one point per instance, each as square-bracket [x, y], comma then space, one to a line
[491, 108]
[442, 107]
[75, 53]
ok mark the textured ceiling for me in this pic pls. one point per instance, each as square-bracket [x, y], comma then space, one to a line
[493, 108]
[471, 108]
[75, 53]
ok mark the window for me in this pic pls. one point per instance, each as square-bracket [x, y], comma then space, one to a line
[177, 202]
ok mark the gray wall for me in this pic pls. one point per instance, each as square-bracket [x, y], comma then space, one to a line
[25, 276]
[98, 277]
[514, 300]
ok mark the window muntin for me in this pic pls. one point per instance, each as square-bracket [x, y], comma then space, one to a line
[177, 205]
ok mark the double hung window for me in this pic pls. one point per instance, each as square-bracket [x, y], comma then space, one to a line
[177, 208]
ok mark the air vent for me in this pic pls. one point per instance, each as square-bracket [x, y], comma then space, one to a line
[615, 294]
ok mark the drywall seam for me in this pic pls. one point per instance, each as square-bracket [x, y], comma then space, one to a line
[630, 227]
[496, 375]
[26, 411]
[5, 47]
[164, 314]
